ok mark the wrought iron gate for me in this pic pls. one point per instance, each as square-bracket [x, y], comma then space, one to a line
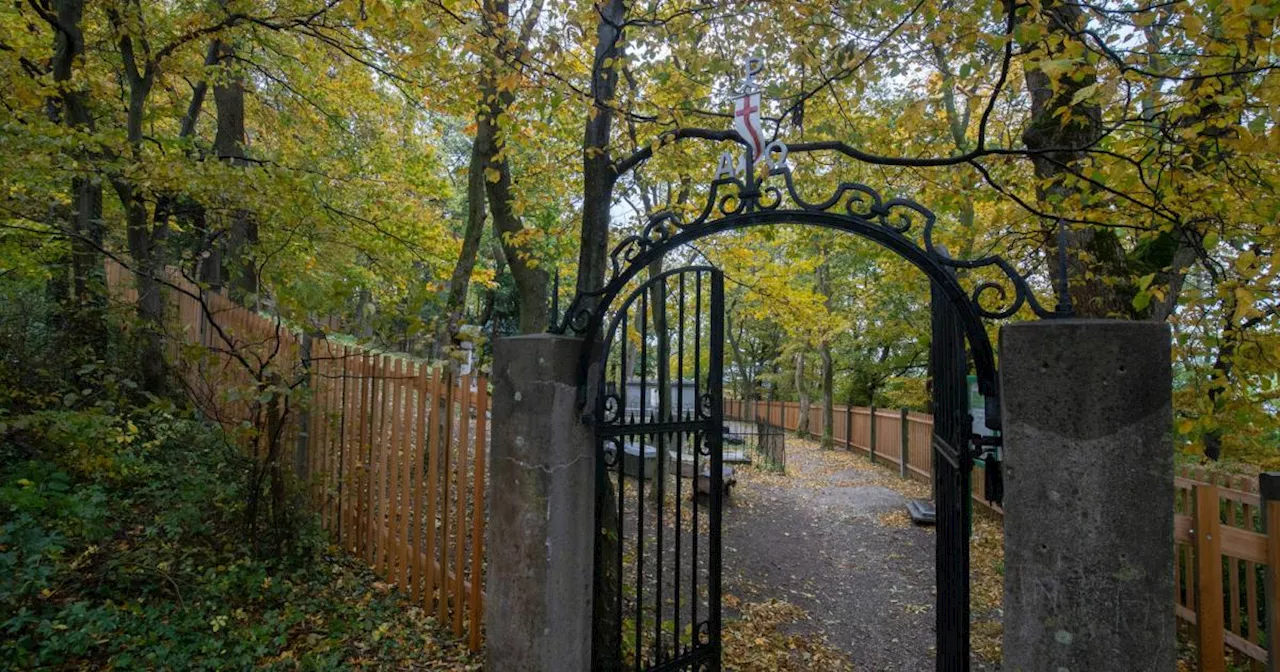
[658, 418]
[952, 465]
[652, 390]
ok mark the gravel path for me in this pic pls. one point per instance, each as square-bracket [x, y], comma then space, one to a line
[832, 537]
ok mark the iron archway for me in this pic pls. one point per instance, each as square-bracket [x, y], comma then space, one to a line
[958, 314]
[865, 214]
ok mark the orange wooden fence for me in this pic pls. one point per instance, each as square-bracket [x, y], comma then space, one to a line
[852, 429]
[391, 450]
[1223, 558]
[1222, 551]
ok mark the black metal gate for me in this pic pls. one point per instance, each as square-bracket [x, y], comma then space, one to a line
[952, 465]
[653, 385]
[660, 480]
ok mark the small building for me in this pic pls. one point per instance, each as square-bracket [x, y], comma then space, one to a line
[683, 395]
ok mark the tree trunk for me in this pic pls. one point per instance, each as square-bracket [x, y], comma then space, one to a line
[206, 255]
[746, 384]
[239, 268]
[802, 392]
[824, 353]
[1095, 257]
[142, 240]
[532, 279]
[828, 396]
[82, 310]
[461, 278]
[598, 176]
[598, 179]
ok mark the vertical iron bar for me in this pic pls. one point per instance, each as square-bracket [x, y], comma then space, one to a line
[639, 476]
[697, 411]
[661, 357]
[621, 456]
[625, 431]
[675, 627]
[715, 386]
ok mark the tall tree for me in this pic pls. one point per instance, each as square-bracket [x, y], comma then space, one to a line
[84, 308]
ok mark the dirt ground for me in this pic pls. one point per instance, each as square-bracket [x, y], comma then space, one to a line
[832, 538]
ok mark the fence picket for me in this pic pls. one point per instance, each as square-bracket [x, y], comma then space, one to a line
[434, 427]
[1208, 544]
[446, 445]
[419, 532]
[372, 464]
[405, 465]
[346, 482]
[393, 476]
[359, 385]
[460, 546]
[477, 517]
[1250, 570]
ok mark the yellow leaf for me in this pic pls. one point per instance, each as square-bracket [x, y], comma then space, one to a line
[1192, 24]
[1244, 262]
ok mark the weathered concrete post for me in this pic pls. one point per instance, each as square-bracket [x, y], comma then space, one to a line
[1088, 499]
[541, 511]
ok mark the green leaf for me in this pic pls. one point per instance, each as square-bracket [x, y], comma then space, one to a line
[1141, 300]
[1084, 94]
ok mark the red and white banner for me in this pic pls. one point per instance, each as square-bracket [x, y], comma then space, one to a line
[746, 121]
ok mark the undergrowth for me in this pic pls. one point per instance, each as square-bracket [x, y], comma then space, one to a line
[123, 541]
[121, 548]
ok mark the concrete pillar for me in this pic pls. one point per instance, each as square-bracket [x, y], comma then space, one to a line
[541, 510]
[1087, 411]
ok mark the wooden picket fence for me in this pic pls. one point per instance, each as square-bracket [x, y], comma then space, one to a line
[1224, 555]
[1227, 566]
[391, 450]
[897, 437]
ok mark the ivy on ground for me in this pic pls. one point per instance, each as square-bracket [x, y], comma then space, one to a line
[122, 547]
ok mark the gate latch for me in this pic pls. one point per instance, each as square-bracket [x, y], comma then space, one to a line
[987, 449]
[984, 444]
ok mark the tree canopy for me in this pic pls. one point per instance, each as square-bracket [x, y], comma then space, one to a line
[413, 173]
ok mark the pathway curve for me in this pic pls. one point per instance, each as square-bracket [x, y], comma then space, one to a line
[832, 537]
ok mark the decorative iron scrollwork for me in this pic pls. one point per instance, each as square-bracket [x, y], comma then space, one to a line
[612, 410]
[705, 402]
[611, 456]
[703, 632]
[731, 203]
[704, 444]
